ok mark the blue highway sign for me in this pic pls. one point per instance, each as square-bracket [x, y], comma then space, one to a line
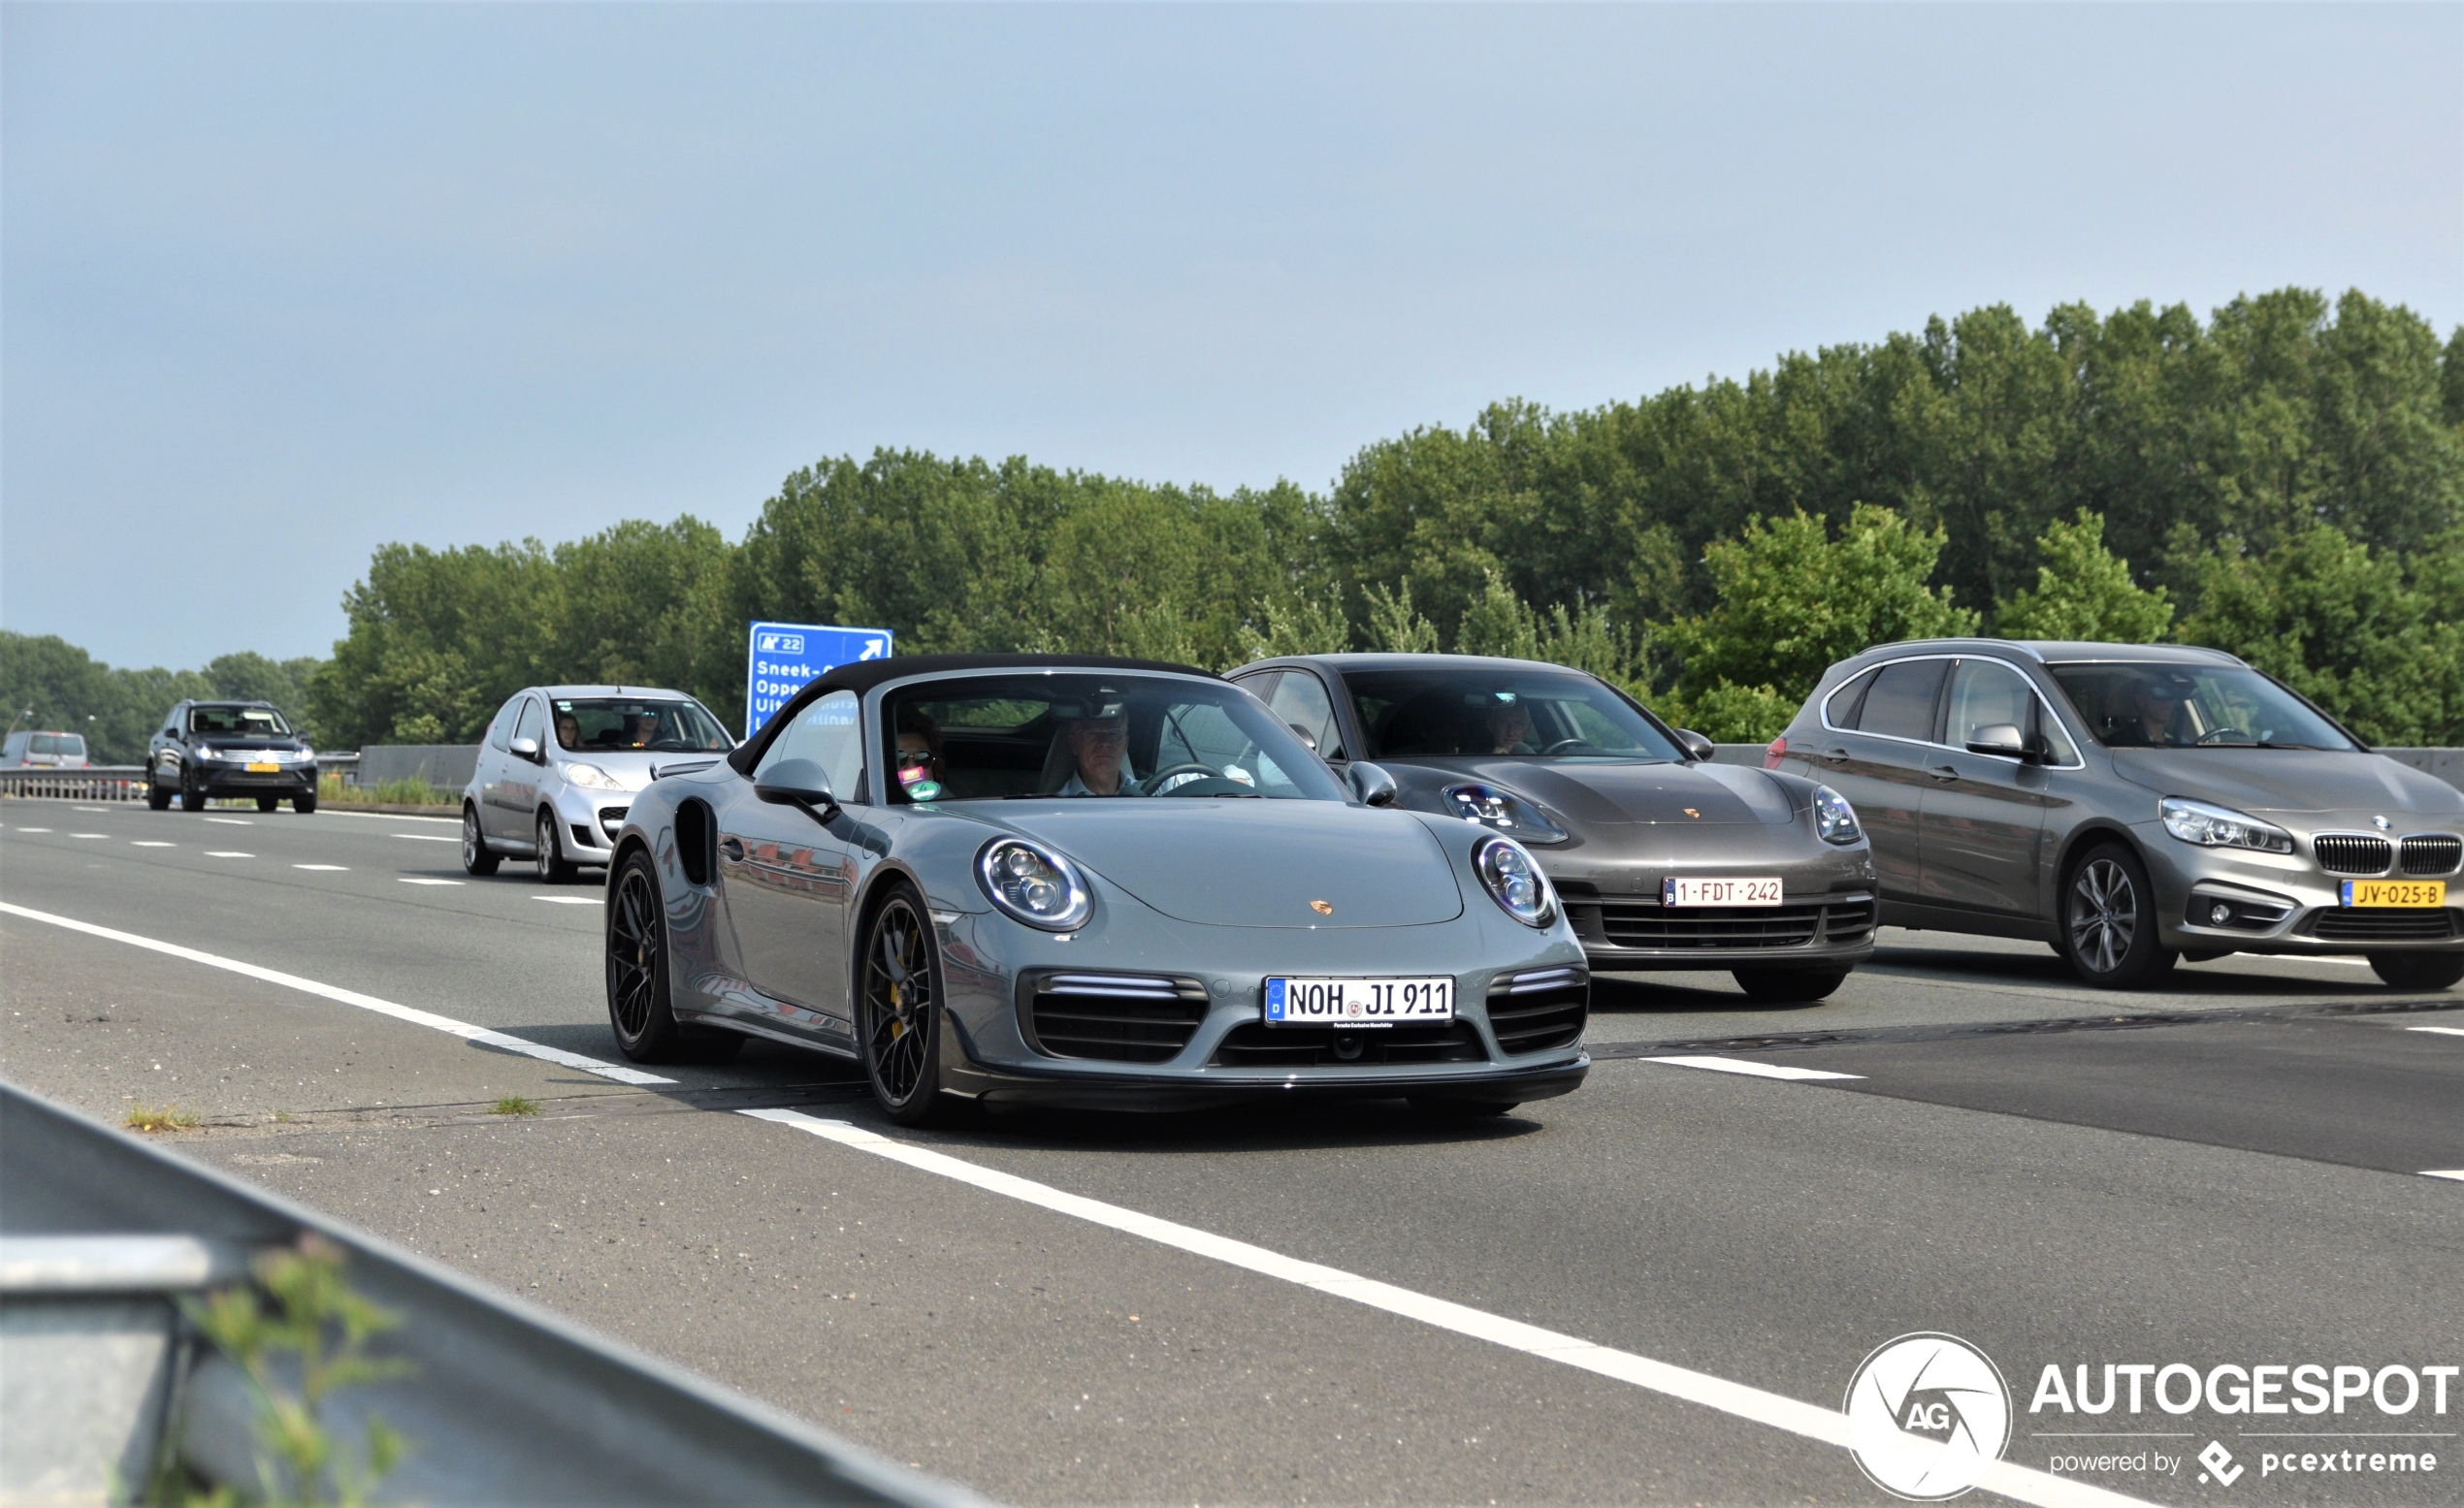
[782, 658]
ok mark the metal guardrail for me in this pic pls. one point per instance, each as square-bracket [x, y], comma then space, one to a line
[102, 1379]
[94, 782]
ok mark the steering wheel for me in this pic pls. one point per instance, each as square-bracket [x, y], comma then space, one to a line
[2216, 735]
[1155, 782]
[1567, 745]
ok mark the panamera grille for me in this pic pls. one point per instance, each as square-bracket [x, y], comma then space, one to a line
[1647, 924]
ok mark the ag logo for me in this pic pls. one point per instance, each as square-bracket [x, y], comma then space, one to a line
[1926, 1414]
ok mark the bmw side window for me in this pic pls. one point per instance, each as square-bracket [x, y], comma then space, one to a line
[830, 734]
[1901, 704]
[1984, 694]
[1845, 703]
[1300, 700]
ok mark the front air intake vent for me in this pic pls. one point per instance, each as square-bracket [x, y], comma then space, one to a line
[2385, 924]
[1538, 1009]
[2352, 854]
[2433, 853]
[1256, 1045]
[1113, 1017]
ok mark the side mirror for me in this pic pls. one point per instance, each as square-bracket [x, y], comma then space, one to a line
[1696, 747]
[798, 782]
[1372, 784]
[2000, 738]
[1306, 737]
[526, 749]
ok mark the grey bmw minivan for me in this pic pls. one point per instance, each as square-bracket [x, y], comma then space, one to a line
[2132, 805]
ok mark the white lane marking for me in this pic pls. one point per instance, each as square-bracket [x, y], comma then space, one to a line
[325, 868]
[573, 900]
[387, 816]
[34, 829]
[151, 843]
[232, 821]
[416, 1017]
[1758, 1070]
[227, 853]
[1678, 1382]
[429, 837]
[89, 835]
[2443, 1031]
[97, 809]
[2456, 1173]
[414, 880]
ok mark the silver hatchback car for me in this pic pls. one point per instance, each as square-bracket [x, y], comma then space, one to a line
[2133, 804]
[561, 765]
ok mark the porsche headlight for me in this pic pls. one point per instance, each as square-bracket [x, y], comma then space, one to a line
[591, 776]
[1833, 817]
[2221, 827]
[1031, 883]
[1514, 881]
[1502, 810]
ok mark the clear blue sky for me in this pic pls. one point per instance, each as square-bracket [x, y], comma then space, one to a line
[280, 282]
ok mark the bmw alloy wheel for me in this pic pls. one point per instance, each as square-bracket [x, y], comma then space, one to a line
[2104, 914]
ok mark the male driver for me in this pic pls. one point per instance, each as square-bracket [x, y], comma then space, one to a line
[1099, 747]
[2157, 700]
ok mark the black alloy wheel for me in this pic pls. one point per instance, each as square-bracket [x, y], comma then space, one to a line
[158, 794]
[477, 858]
[639, 1009]
[2418, 971]
[1789, 986]
[898, 1016]
[192, 794]
[2109, 921]
[553, 866]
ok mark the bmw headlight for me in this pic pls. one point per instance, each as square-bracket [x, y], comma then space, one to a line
[591, 776]
[1514, 881]
[1031, 883]
[1502, 810]
[2221, 827]
[1833, 817]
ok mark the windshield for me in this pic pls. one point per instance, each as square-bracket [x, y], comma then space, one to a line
[1064, 734]
[57, 744]
[2158, 706]
[237, 721]
[1490, 712]
[607, 724]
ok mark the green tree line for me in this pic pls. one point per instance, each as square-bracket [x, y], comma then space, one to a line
[2283, 479]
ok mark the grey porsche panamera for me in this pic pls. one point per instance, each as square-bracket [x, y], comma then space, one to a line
[1663, 860]
[1083, 882]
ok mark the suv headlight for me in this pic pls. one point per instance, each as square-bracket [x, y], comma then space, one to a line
[592, 776]
[2221, 827]
[1031, 883]
[1833, 817]
[1502, 810]
[1514, 881]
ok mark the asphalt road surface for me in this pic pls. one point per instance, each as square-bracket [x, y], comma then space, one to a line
[2236, 1169]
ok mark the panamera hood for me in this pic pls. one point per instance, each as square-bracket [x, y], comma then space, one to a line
[1694, 795]
[1253, 863]
[2289, 781]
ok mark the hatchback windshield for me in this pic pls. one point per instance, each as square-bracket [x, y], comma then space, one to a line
[2160, 706]
[1531, 714]
[616, 724]
[1063, 734]
[237, 721]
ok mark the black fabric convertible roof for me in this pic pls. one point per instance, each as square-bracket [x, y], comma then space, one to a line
[862, 675]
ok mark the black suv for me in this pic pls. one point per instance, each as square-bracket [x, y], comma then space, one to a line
[229, 749]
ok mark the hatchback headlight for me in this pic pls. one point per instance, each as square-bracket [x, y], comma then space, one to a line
[1833, 817]
[2221, 827]
[591, 776]
[1514, 881]
[1502, 810]
[1031, 883]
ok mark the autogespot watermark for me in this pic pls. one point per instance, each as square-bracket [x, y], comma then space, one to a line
[1928, 1414]
[2323, 1422]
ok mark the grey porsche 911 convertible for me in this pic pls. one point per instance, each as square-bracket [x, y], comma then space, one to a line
[1662, 859]
[1097, 883]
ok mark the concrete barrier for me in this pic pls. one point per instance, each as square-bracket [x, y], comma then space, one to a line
[445, 766]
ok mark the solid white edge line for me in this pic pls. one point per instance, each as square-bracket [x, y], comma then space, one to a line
[416, 1017]
[2443, 1031]
[1756, 1070]
[2456, 1173]
[386, 816]
[1824, 1426]
[429, 837]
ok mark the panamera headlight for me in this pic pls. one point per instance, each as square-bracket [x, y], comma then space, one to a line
[1833, 817]
[2221, 827]
[591, 776]
[1514, 881]
[1033, 884]
[1502, 810]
